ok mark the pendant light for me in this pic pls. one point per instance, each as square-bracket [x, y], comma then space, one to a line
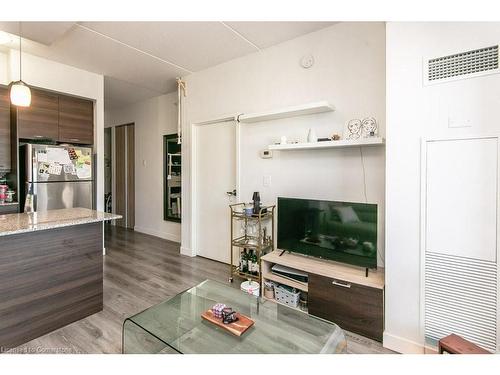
[20, 93]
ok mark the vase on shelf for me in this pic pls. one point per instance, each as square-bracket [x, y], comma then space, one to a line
[311, 136]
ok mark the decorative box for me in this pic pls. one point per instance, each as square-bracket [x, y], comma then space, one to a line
[217, 310]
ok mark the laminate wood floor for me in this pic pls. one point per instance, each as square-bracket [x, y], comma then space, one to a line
[141, 271]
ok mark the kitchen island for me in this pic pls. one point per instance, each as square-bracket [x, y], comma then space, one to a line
[51, 271]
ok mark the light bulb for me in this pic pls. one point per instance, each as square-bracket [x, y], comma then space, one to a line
[20, 94]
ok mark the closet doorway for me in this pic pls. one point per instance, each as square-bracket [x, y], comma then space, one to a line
[124, 160]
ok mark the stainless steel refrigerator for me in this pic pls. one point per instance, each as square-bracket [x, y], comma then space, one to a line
[59, 176]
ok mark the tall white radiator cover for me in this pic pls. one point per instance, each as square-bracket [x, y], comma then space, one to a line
[460, 239]
[461, 298]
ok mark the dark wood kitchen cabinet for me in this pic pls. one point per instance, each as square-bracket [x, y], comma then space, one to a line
[354, 307]
[41, 119]
[57, 117]
[5, 161]
[76, 120]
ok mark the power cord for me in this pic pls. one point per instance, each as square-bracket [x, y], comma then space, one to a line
[364, 173]
[364, 191]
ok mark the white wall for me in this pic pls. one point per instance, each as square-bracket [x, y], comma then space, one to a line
[153, 118]
[349, 72]
[413, 112]
[65, 79]
[4, 76]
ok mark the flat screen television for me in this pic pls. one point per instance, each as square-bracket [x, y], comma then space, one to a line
[340, 231]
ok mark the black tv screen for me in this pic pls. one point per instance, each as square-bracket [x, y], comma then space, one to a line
[340, 231]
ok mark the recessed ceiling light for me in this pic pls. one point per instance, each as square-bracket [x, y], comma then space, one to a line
[6, 38]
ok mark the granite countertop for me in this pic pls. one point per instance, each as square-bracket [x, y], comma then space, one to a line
[22, 223]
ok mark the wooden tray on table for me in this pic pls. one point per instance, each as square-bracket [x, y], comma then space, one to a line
[236, 328]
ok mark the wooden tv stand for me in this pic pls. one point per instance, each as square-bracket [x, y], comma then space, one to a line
[337, 292]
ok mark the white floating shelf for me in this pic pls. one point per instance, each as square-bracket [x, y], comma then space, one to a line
[298, 110]
[372, 141]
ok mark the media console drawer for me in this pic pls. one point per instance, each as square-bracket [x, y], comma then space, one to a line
[353, 307]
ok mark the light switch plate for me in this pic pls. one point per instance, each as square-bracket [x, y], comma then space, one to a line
[455, 122]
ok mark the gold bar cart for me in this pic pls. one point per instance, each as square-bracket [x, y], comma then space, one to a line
[262, 244]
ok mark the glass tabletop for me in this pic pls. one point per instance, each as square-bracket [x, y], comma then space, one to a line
[176, 325]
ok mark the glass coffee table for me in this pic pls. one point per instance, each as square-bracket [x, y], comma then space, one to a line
[176, 326]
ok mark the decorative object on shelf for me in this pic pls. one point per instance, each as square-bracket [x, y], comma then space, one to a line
[217, 310]
[353, 129]
[369, 127]
[283, 140]
[256, 202]
[253, 264]
[303, 301]
[244, 261]
[311, 136]
[269, 289]
[229, 315]
[20, 93]
[248, 209]
[335, 137]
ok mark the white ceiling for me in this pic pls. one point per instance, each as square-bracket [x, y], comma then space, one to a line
[142, 59]
[41, 32]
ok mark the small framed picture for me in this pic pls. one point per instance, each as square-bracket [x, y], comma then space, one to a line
[353, 129]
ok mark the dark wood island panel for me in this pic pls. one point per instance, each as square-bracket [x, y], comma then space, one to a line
[48, 279]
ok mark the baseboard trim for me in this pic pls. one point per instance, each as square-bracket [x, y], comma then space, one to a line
[186, 251]
[165, 236]
[402, 345]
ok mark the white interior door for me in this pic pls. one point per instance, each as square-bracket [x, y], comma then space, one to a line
[215, 177]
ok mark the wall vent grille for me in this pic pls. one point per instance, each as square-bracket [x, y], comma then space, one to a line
[461, 298]
[461, 65]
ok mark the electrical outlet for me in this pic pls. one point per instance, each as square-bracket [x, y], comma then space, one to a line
[266, 154]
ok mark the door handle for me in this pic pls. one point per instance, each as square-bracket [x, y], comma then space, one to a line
[231, 193]
[346, 285]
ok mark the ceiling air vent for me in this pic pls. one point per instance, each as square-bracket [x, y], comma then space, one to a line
[468, 64]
